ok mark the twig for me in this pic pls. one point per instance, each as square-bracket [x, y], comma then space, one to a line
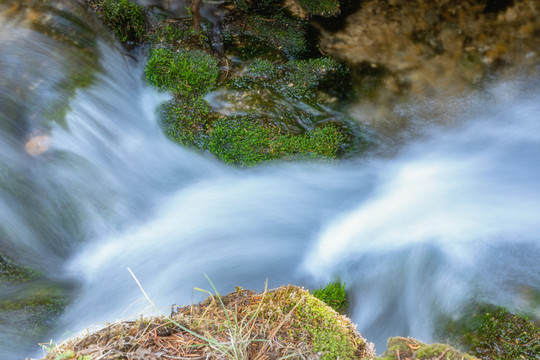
[442, 354]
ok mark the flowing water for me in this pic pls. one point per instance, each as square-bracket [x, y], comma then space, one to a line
[449, 218]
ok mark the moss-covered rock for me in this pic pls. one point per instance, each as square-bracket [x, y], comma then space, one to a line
[318, 81]
[246, 141]
[123, 17]
[286, 322]
[409, 348]
[326, 8]
[273, 35]
[281, 106]
[185, 120]
[184, 71]
[493, 333]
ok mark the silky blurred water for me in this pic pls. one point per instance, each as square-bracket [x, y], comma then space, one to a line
[449, 218]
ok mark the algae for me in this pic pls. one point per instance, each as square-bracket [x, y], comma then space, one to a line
[13, 273]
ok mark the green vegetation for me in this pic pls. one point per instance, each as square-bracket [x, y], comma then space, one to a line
[267, 32]
[264, 129]
[246, 141]
[328, 335]
[32, 303]
[326, 8]
[178, 34]
[124, 18]
[502, 335]
[408, 348]
[334, 295]
[302, 78]
[493, 333]
[185, 71]
[13, 273]
[313, 81]
[184, 120]
[70, 355]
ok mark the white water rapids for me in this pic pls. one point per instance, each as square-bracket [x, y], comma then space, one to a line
[452, 217]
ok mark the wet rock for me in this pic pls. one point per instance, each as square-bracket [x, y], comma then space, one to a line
[437, 48]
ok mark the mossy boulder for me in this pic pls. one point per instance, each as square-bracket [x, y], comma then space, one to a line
[285, 322]
[409, 348]
[281, 103]
[247, 141]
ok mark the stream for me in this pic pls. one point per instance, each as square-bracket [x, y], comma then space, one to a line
[417, 231]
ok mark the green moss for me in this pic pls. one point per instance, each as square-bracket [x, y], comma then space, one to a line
[178, 34]
[334, 295]
[272, 36]
[399, 345]
[190, 72]
[503, 335]
[124, 18]
[434, 351]
[409, 348]
[13, 273]
[246, 141]
[330, 335]
[303, 77]
[326, 8]
[286, 35]
[184, 120]
[494, 333]
[313, 81]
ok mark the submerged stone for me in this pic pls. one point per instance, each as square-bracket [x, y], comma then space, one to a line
[29, 303]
